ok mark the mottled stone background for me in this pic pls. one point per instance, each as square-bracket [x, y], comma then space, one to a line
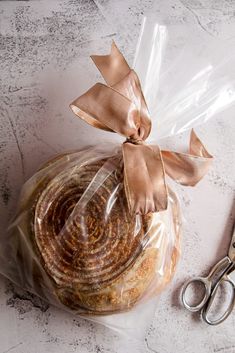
[44, 46]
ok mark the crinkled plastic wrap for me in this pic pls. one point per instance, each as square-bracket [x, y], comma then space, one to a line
[187, 75]
[74, 241]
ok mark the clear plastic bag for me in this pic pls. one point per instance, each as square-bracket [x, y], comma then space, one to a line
[187, 76]
[74, 241]
[71, 211]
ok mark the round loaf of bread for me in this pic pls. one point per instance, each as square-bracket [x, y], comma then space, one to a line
[78, 244]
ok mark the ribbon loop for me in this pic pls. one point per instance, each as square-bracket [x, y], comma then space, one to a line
[120, 107]
[103, 107]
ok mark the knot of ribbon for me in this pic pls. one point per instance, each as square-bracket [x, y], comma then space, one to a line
[120, 107]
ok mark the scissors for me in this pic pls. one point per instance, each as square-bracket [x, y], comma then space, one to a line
[218, 275]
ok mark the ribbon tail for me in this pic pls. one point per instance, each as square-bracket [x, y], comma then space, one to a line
[197, 148]
[113, 67]
[144, 178]
[188, 169]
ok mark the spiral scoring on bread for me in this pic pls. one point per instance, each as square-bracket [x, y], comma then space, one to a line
[86, 248]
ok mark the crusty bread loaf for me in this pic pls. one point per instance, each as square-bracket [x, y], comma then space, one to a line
[86, 248]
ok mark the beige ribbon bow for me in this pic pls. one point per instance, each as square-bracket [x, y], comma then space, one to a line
[120, 107]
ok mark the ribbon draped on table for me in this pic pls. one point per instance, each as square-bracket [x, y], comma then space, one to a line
[120, 107]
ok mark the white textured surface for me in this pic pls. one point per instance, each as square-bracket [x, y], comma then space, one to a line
[44, 47]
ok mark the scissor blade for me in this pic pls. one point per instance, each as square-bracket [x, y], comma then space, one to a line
[231, 252]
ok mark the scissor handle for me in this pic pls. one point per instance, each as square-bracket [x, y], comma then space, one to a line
[216, 273]
[207, 291]
[207, 307]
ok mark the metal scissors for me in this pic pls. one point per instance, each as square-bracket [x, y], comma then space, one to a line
[218, 275]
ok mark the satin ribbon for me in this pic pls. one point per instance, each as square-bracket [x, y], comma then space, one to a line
[120, 107]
